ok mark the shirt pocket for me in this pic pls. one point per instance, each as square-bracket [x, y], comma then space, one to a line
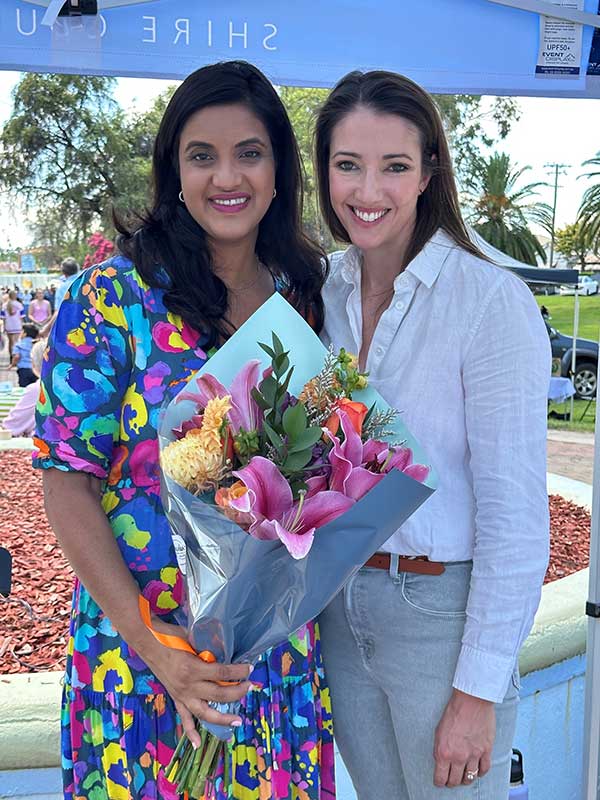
[442, 595]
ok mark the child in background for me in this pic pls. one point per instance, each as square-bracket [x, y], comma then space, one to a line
[21, 356]
[21, 418]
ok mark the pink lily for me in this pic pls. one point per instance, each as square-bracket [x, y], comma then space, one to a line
[245, 413]
[270, 504]
[356, 467]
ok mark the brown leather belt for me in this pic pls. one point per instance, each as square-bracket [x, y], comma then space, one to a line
[420, 564]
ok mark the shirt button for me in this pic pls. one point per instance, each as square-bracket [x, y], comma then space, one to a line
[399, 305]
[379, 351]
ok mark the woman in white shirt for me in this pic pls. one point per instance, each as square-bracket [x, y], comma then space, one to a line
[422, 645]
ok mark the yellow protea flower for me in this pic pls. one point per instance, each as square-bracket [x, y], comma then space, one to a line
[212, 422]
[196, 461]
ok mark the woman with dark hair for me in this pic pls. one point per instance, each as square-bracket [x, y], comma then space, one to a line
[421, 646]
[223, 233]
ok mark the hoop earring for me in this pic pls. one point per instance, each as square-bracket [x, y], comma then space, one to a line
[274, 193]
[181, 197]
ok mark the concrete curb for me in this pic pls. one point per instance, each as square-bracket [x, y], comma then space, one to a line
[574, 491]
[30, 720]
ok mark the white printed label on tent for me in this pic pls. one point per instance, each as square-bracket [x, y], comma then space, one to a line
[180, 552]
[560, 44]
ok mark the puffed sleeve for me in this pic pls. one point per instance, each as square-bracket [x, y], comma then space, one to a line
[85, 376]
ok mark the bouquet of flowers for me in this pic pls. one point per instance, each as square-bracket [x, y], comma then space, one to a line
[279, 481]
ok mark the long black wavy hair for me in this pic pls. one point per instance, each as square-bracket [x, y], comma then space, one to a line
[166, 238]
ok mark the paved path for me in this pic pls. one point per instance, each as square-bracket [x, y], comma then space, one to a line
[571, 453]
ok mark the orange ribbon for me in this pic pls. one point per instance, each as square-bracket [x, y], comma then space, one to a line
[175, 642]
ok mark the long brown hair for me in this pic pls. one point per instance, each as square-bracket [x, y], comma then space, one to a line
[390, 93]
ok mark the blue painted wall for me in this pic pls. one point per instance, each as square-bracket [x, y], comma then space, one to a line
[550, 730]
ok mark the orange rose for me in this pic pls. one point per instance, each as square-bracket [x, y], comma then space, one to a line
[356, 414]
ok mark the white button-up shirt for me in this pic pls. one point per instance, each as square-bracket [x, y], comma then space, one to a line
[463, 353]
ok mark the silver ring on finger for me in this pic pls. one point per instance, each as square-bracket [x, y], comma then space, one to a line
[471, 774]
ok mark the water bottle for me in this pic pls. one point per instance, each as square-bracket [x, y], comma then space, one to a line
[518, 789]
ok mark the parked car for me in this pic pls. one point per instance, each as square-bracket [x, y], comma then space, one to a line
[585, 285]
[586, 361]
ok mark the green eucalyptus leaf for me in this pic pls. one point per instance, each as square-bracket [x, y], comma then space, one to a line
[277, 346]
[274, 437]
[268, 389]
[269, 351]
[259, 399]
[307, 439]
[294, 421]
[297, 461]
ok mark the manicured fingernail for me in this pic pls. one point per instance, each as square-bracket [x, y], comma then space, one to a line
[237, 723]
[195, 745]
[257, 687]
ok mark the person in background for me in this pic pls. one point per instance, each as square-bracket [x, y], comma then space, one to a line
[40, 310]
[12, 313]
[70, 270]
[20, 420]
[50, 296]
[421, 646]
[21, 357]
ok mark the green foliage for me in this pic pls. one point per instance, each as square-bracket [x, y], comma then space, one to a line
[302, 106]
[71, 154]
[589, 210]
[502, 212]
[286, 427]
[468, 128]
[572, 241]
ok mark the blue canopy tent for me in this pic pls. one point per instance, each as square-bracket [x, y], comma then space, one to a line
[449, 46]
[498, 47]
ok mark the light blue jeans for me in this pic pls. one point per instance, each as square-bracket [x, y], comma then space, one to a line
[390, 646]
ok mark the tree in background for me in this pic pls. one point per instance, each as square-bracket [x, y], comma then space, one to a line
[572, 242]
[302, 106]
[501, 212]
[71, 154]
[589, 210]
[471, 129]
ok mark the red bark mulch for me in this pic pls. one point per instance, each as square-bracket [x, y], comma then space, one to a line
[34, 620]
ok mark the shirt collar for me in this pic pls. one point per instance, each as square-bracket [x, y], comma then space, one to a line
[426, 266]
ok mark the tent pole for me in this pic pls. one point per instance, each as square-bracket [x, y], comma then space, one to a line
[591, 743]
[574, 354]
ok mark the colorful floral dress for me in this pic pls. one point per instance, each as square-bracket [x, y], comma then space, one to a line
[115, 355]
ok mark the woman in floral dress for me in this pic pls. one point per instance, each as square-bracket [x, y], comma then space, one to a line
[223, 231]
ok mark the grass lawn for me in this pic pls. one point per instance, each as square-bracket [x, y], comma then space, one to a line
[578, 424]
[561, 310]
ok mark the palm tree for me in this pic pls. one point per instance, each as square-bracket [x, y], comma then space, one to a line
[589, 210]
[501, 212]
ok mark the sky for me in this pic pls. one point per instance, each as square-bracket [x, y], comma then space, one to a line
[550, 131]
